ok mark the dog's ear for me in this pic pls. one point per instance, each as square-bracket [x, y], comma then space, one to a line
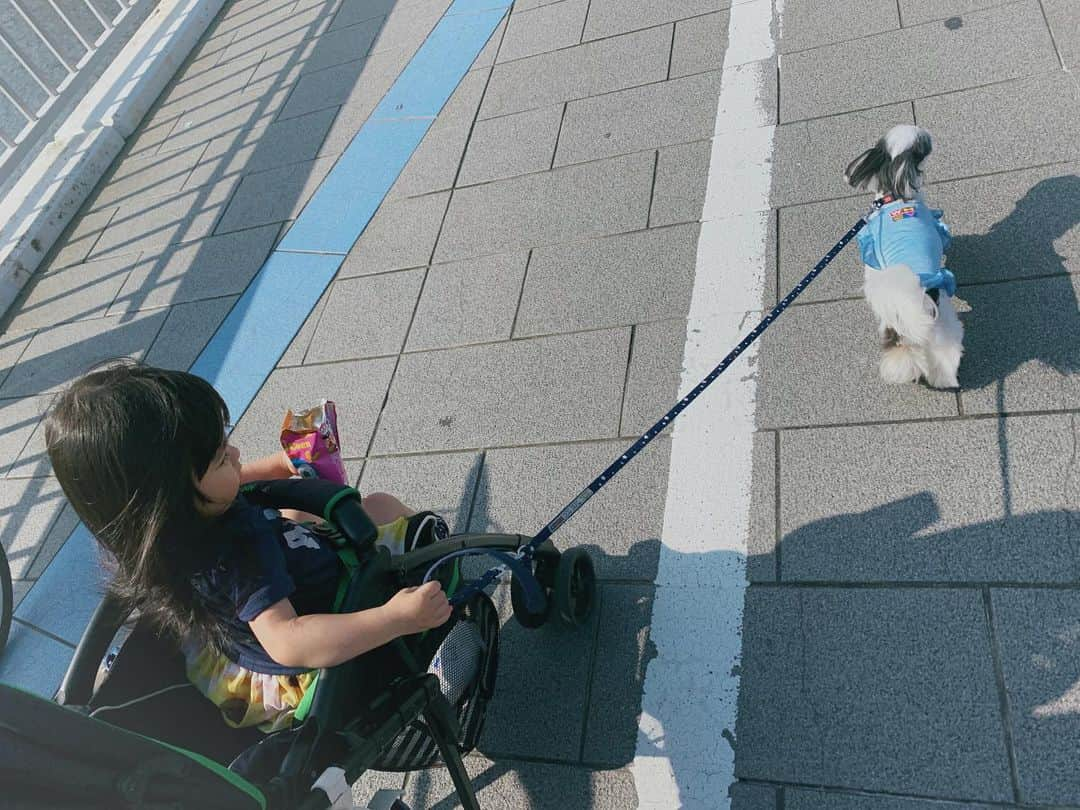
[906, 171]
[872, 169]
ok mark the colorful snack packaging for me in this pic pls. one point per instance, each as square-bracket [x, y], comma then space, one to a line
[310, 439]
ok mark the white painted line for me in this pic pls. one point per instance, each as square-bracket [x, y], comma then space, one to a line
[685, 757]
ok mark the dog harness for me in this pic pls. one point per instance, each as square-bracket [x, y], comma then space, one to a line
[908, 232]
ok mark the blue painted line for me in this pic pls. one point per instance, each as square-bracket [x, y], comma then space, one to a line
[249, 343]
[352, 192]
[438, 66]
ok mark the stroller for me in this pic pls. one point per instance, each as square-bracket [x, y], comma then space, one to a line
[141, 736]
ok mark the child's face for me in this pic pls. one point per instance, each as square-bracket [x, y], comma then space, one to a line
[220, 483]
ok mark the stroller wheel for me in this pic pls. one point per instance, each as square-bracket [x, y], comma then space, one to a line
[521, 612]
[575, 587]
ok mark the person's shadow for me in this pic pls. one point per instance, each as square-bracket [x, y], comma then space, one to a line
[1033, 317]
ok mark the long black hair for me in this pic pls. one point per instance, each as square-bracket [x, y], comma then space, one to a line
[127, 444]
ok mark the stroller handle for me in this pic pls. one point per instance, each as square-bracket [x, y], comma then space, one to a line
[336, 503]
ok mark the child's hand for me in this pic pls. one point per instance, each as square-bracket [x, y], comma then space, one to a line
[416, 609]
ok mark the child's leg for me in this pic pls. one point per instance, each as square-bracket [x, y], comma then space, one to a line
[383, 508]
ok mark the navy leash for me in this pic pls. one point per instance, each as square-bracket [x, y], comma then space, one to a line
[521, 560]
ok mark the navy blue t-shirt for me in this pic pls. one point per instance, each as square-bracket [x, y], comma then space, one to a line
[267, 559]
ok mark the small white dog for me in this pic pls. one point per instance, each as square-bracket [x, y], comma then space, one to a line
[903, 246]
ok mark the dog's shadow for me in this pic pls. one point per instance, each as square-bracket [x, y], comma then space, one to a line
[1032, 315]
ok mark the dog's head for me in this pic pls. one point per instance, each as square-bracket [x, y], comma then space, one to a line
[893, 164]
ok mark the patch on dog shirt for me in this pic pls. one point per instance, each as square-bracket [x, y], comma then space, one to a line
[907, 212]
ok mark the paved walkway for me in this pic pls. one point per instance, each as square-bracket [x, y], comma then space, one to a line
[515, 314]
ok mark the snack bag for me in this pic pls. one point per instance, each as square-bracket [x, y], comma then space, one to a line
[310, 439]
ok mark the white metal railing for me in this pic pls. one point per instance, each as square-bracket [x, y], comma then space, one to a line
[44, 45]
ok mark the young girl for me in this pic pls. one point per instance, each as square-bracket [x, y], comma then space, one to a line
[142, 456]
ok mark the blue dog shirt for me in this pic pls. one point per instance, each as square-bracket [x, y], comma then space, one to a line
[907, 232]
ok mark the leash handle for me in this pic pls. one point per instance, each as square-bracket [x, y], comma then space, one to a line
[598, 483]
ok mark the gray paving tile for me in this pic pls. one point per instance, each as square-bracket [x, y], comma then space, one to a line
[916, 12]
[366, 317]
[747, 796]
[32, 460]
[609, 196]
[490, 51]
[379, 72]
[809, 157]
[59, 354]
[993, 45]
[1008, 126]
[663, 114]
[622, 653]
[273, 196]
[254, 108]
[28, 509]
[401, 234]
[138, 181]
[434, 164]
[527, 786]
[565, 656]
[652, 383]
[351, 12]
[483, 395]
[1021, 347]
[265, 147]
[152, 133]
[510, 145]
[1013, 225]
[335, 47]
[373, 786]
[187, 330]
[74, 246]
[208, 268]
[409, 24]
[700, 43]
[18, 420]
[326, 88]
[522, 488]
[614, 281]
[357, 388]
[12, 347]
[294, 354]
[205, 88]
[904, 677]
[585, 70]
[813, 23]
[819, 365]
[807, 232]
[610, 17]
[805, 799]
[19, 589]
[888, 503]
[182, 217]
[442, 482]
[544, 29]
[473, 301]
[72, 293]
[1040, 654]
[761, 564]
[679, 191]
[281, 30]
[54, 541]
[1064, 19]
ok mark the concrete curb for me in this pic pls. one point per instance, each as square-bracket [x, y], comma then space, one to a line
[58, 181]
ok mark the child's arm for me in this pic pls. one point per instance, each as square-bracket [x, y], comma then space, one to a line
[327, 639]
[269, 467]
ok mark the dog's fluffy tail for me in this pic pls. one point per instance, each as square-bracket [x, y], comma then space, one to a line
[906, 318]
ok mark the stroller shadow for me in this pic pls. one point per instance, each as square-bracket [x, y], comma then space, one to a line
[1012, 324]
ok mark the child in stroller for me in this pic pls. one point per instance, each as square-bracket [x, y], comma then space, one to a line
[249, 590]
[377, 710]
